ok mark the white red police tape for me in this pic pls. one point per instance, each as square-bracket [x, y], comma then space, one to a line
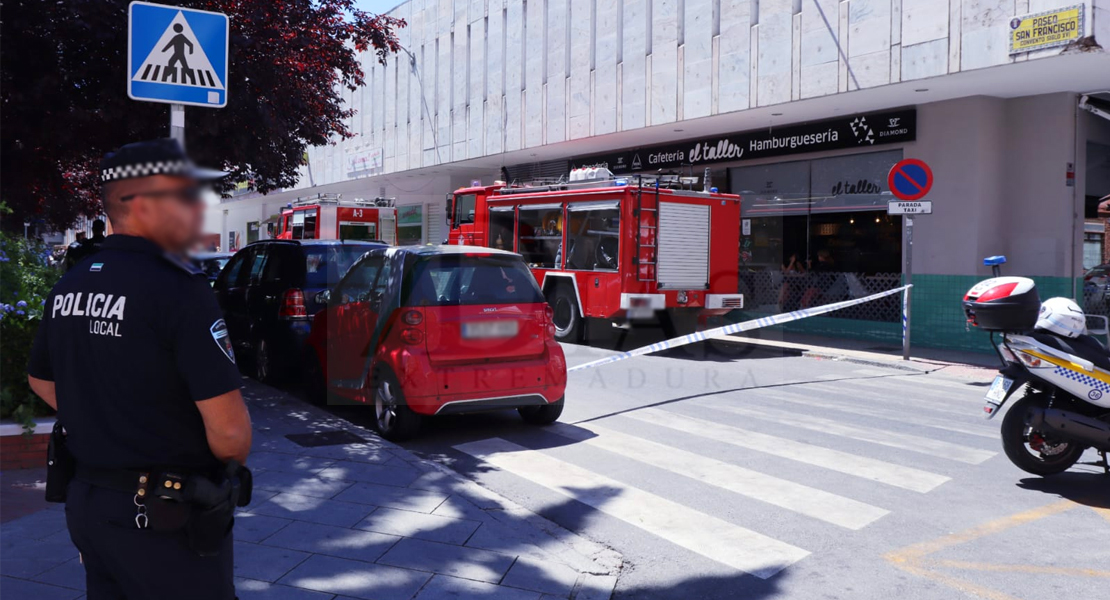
[719, 332]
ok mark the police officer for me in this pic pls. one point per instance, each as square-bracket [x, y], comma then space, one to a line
[84, 248]
[134, 355]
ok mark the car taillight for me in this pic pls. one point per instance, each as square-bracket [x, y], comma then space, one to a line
[413, 317]
[550, 321]
[292, 305]
[412, 337]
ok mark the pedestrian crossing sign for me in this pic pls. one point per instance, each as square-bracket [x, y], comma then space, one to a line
[176, 55]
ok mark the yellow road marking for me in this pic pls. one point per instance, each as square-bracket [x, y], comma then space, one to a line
[969, 566]
[923, 549]
[913, 559]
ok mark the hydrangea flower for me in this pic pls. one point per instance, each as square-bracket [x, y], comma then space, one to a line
[21, 304]
[20, 313]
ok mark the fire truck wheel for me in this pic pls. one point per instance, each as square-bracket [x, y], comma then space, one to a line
[569, 325]
[542, 415]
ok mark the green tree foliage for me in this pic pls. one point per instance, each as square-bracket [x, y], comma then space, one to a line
[64, 101]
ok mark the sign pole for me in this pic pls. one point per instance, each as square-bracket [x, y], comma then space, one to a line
[907, 226]
[177, 123]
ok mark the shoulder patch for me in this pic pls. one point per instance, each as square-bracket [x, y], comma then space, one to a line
[182, 263]
[223, 340]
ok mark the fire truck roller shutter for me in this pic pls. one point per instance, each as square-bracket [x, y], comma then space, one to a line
[683, 257]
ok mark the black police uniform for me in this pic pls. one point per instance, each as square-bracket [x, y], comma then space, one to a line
[132, 339]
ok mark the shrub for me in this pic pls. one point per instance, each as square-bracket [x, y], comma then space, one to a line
[26, 278]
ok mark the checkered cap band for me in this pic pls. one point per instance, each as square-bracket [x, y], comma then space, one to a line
[161, 167]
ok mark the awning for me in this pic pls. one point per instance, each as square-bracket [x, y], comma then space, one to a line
[595, 205]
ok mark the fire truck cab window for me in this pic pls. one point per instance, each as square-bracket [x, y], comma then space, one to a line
[540, 235]
[593, 234]
[464, 208]
[309, 227]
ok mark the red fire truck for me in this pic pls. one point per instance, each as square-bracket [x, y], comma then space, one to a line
[330, 217]
[620, 249]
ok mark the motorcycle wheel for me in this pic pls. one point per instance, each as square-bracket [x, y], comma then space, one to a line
[1030, 450]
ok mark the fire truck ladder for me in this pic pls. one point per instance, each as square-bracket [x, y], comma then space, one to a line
[647, 238]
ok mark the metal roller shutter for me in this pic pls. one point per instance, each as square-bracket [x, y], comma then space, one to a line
[683, 258]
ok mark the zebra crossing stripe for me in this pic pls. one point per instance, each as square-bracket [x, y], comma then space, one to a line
[721, 332]
[802, 499]
[709, 536]
[872, 469]
[906, 415]
[882, 437]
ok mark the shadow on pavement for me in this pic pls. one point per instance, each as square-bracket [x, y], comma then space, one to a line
[711, 587]
[1088, 489]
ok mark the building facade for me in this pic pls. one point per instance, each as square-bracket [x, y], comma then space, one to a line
[800, 106]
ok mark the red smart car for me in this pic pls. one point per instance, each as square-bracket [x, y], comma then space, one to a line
[433, 330]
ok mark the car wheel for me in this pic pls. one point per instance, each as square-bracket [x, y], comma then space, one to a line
[542, 415]
[569, 325]
[393, 418]
[313, 386]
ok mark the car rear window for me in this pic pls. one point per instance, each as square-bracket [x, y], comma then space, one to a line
[467, 280]
[326, 264]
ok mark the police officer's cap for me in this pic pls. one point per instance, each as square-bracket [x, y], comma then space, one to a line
[163, 156]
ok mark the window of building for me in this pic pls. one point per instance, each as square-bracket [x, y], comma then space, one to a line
[253, 228]
[410, 224]
[540, 235]
[593, 235]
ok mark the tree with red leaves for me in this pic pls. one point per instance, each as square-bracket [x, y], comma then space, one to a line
[64, 101]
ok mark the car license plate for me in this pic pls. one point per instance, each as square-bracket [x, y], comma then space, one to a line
[478, 330]
[996, 395]
[640, 312]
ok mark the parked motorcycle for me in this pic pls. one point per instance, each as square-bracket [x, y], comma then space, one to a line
[1061, 372]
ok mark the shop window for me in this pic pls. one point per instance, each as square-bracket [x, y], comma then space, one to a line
[593, 235]
[410, 224]
[540, 235]
[501, 221]
[253, 228]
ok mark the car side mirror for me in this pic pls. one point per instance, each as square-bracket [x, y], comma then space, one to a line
[323, 297]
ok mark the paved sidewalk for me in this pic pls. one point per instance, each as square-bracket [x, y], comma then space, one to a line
[365, 519]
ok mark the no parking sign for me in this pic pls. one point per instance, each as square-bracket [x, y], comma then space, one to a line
[910, 179]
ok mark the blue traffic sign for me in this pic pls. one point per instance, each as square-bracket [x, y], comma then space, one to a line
[176, 55]
[910, 179]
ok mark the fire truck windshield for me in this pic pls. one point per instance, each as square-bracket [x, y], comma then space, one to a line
[464, 208]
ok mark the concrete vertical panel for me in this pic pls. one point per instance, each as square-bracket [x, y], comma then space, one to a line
[927, 59]
[924, 21]
[818, 43]
[697, 76]
[868, 27]
[634, 65]
[796, 57]
[443, 94]
[604, 106]
[556, 56]
[734, 56]
[753, 68]
[773, 59]
[514, 73]
[389, 109]
[954, 35]
[896, 23]
[534, 73]
[845, 82]
[460, 82]
[495, 79]
[820, 79]
[896, 63]
[1098, 20]
[581, 50]
[984, 33]
[664, 61]
[476, 93]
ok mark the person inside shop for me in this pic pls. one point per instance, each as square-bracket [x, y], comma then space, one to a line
[792, 272]
[821, 279]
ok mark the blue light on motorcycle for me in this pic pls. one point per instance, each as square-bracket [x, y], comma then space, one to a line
[991, 261]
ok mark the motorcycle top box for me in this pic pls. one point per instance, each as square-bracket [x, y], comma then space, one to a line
[1003, 304]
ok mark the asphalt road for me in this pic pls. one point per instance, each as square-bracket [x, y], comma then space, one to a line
[775, 475]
